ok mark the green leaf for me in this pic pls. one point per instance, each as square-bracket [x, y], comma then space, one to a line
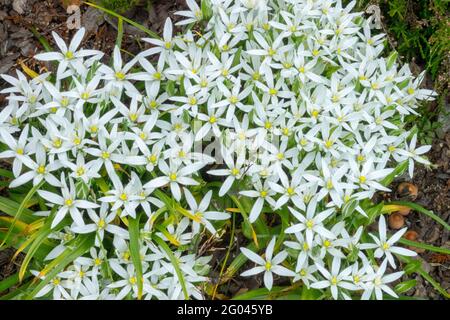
[391, 59]
[119, 32]
[21, 209]
[11, 208]
[421, 209]
[399, 169]
[424, 246]
[81, 244]
[175, 264]
[37, 239]
[133, 228]
[10, 281]
[129, 21]
[405, 286]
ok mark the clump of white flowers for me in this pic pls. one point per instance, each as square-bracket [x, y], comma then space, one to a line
[308, 120]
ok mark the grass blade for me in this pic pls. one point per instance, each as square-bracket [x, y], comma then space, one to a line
[133, 228]
[82, 244]
[421, 209]
[21, 209]
[129, 21]
[175, 264]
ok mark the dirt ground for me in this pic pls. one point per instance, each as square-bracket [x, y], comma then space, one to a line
[19, 44]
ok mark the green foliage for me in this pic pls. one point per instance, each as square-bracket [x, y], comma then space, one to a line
[119, 6]
[420, 29]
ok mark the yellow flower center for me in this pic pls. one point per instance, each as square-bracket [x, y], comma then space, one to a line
[290, 191]
[153, 104]
[303, 272]
[301, 69]
[56, 281]
[123, 197]
[101, 223]
[386, 246]
[192, 101]
[64, 102]
[327, 243]
[80, 171]
[98, 261]
[334, 281]
[263, 194]
[168, 45]
[152, 158]
[85, 95]
[305, 246]
[233, 99]
[105, 155]
[329, 184]
[362, 179]
[173, 176]
[68, 202]
[411, 91]
[120, 75]
[310, 224]
[19, 151]
[76, 141]
[157, 76]
[273, 91]
[268, 265]
[69, 55]
[234, 171]
[268, 125]
[132, 280]
[41, 169]
[57, 143]
[143, 135]
[133, 117]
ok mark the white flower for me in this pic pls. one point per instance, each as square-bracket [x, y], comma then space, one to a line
[175, 175]
[377, 281]
[200, 213]
[68, 202]
[312, 222]
[335, 279]
[413, 154]
[384, 246]
[268, 265]
[69, 56]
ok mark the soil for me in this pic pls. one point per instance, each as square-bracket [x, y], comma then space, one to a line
[18, 44]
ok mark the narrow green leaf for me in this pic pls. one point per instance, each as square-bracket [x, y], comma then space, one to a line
[133, 228]
[175, 264]
[21, 209]
[424, 246]
[405, 286]
[82, 244]
[421, 209]
[129, 21]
